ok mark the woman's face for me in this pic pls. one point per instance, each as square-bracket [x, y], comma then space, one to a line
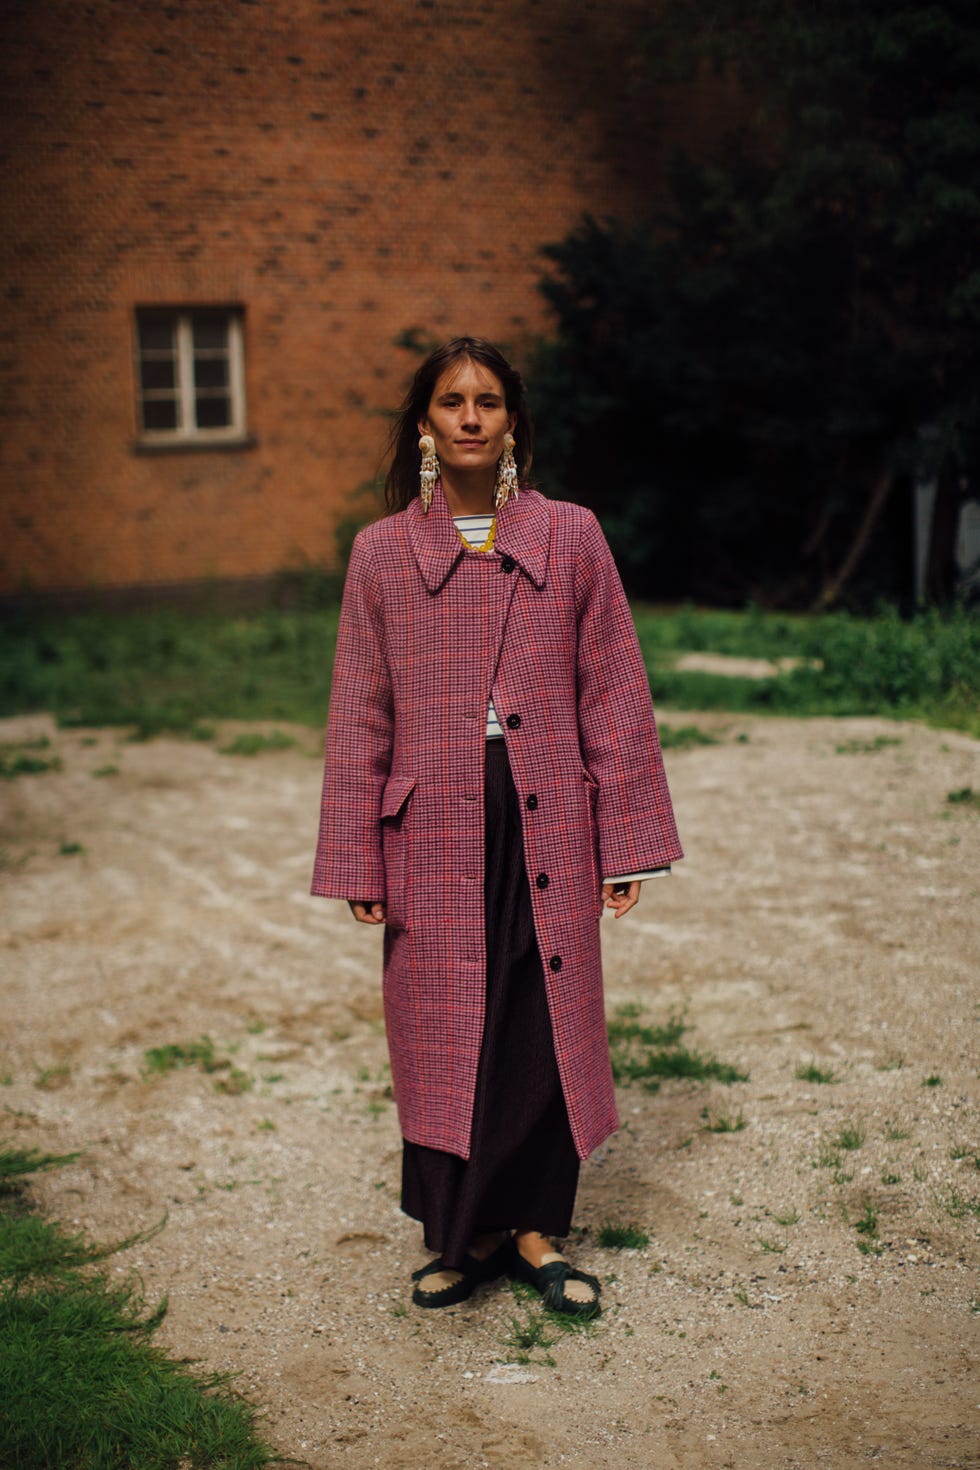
[467, 417]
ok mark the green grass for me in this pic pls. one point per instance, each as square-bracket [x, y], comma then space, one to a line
[723, 1122]
[685, 737]
[82, 1384]
[866, 747]
[851, 1136]
[158, 1060]
[622, 1237]
[650, 1054]
[810, 1072]
[964, 796]
[251, 742]
[165, 670]
[21, 764]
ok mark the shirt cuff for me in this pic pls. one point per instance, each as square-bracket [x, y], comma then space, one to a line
[639, 877]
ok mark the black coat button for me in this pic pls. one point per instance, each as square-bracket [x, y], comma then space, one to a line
[513, 722]
[532, 803]
[542, 880]
[508, 564]
[555, 963]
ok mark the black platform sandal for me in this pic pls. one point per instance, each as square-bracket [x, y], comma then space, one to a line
[473, 1273]
[549, 1279]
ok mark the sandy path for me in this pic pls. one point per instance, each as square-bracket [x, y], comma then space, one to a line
[828, 910]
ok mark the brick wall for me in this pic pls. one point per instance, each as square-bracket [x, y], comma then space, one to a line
[341, 172]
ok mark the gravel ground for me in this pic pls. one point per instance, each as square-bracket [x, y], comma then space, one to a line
[826, 914]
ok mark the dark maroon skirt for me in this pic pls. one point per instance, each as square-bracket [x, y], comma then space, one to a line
[523, 1167]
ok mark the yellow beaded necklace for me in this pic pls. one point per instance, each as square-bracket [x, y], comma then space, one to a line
[488, 543]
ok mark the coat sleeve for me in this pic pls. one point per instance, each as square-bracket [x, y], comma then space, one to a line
[617, 729]
[360, 729]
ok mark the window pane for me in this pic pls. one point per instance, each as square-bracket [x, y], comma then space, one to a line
[213, 413]
[210, 331]
[211, 372]
[159, 413]
[156, 372]
[157, 333]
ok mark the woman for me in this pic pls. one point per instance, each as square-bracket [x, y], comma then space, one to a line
[493, 779]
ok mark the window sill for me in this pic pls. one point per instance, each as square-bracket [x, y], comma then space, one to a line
[198, 445]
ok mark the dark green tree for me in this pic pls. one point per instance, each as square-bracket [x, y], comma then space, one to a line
[745, 387]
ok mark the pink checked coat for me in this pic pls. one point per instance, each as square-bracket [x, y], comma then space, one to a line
[428, 630]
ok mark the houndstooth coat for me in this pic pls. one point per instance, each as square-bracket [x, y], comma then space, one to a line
[428, 630]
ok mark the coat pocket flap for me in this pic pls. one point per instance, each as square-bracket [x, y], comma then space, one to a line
[395, 795]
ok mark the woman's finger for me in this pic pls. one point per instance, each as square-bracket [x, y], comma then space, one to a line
[367, 912]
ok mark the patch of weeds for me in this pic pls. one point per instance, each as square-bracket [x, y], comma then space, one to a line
[827, 1158]
[202, 732]
[723, 1122]
[933, 1080]
[83, 1384]
[895, 1134]
[772, 1247]
[70, 849]
[234, 1082]
[741, 1295]
[648, 1054]
[255, 1027]
[958, 1207]
[867, 747]
[888, 1179]
[102, 771]
[810, 1072]
[158, 1060]
[17, 1163]
[792, 1217]
[622, 1237]
[266, 1125]
[527, 1336]
[891, 1064]
[867, 1228]
[253, 742]
[851, 1136]
[960, 1151]
[964, 796]
[51, 1078]
[685, 737]
[21, 764]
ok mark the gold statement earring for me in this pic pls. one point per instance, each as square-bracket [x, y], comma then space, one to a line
[506, 485]
[429, 472]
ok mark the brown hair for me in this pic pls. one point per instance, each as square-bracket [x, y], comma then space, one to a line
[402, 481]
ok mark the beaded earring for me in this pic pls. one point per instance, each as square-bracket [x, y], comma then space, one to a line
[429, 471]
[506, 485]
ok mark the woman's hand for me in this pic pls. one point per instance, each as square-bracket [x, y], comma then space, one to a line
[620, 897]
[367, 912]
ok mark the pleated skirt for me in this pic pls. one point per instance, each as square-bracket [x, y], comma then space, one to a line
[523, 1167]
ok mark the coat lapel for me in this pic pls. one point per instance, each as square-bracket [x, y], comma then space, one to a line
[523, 532]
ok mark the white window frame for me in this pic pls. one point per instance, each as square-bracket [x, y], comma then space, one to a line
[187, 430]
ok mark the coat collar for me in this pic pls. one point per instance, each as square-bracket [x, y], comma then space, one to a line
[523, 532]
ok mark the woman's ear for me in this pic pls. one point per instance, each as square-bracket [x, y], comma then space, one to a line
[511, 422]
[424, 426]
